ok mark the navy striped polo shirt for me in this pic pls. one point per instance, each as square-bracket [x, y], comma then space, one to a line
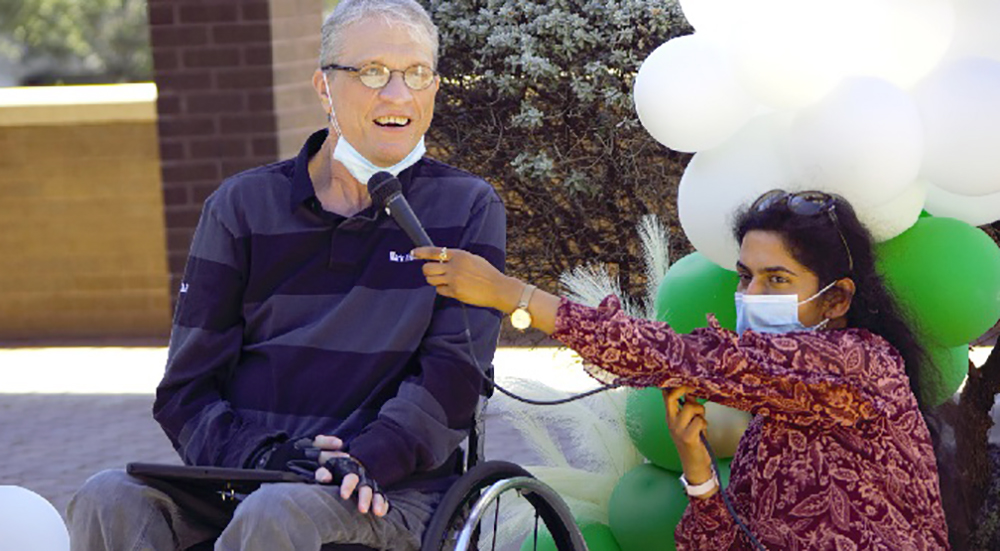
[293, 322]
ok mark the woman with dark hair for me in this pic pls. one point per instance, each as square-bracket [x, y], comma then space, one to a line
[838, 455]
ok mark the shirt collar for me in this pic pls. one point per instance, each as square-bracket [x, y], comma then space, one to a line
[302, 186]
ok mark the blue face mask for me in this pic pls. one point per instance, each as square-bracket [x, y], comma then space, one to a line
[773, 313]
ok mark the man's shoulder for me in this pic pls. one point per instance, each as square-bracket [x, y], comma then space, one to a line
[257, 183]
[431, 168]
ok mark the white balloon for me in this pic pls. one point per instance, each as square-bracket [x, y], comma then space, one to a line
[975, 211]
[960, 107]
[788, 53]
[30, 523]
[902, 40]
[864, 141]
[687, 95]
[893, 218]
[725, 428]
[976, 25]
[717, 182]
[715, 17]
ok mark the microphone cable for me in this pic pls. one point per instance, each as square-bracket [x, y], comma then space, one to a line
[725, 497]
[492, 380]
[604, 387]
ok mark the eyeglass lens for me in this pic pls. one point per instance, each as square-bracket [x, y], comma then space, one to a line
[416, 77]
[809, 203]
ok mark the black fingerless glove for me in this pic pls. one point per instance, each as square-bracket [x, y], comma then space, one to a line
[282, 456]
[340, 467]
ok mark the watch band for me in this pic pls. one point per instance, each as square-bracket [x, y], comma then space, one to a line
[529, 290]
[520, 318]
[696, 490]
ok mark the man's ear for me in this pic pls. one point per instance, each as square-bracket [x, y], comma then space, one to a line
[840, 298]
[320, 88]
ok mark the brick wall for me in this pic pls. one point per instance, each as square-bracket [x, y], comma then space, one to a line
[225, 71]
[295, 39]
[81, 225]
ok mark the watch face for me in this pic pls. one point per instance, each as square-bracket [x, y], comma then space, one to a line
[520, 319]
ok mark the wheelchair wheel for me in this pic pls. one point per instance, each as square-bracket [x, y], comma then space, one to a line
[456, 525]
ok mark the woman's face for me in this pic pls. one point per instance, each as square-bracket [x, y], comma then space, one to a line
[766, 267]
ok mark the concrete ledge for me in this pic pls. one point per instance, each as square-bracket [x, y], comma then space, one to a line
[72, 105]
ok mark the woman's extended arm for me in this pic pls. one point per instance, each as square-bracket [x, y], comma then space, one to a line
[833, 376]
[472, 280]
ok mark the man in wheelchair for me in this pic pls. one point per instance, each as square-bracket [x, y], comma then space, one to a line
[305, 335]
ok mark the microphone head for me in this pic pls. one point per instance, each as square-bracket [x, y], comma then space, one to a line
[382, 187]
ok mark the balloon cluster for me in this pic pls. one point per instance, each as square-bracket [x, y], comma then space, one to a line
[893, 104]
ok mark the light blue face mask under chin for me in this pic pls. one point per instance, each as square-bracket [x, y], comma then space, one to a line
[362, 169]
[773, 313]
[357, 164]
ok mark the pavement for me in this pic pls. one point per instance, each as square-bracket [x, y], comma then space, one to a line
[69, 412]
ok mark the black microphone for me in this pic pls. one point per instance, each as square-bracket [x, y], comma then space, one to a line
[387, 193]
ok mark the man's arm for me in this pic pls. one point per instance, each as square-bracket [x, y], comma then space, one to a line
[205, 345]
[424, 423]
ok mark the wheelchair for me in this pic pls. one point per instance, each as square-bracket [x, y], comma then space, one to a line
[461, 522]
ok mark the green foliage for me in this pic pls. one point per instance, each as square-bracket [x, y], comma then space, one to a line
[536, 96]
[96, 40]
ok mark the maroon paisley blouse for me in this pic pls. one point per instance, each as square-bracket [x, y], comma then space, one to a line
[837, 455]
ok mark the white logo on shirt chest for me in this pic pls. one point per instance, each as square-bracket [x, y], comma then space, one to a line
[396, 257]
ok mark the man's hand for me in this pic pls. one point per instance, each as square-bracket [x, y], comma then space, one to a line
[369, 498]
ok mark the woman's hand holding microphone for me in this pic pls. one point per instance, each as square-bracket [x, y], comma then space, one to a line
[471, 279]
[686, 422]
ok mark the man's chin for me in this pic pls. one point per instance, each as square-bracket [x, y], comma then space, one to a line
[387, 159]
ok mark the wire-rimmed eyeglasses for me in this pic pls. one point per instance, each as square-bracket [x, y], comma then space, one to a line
[806, 203]
[376, 76]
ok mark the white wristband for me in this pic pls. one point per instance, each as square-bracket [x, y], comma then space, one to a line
[696, 490]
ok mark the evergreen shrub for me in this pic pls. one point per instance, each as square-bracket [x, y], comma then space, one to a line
[536, 97]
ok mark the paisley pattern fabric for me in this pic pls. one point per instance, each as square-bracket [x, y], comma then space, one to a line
[837, 456]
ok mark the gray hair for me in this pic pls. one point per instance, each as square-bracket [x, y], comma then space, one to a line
[407, 14]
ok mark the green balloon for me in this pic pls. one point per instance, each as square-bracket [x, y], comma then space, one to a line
[925, 214]
[597, 536]
[645, 507]
[724, 468]
[946, 275]
[646, 421]
[695, 286]
[946, 371]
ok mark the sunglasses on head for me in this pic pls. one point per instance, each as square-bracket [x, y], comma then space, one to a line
[805, 203]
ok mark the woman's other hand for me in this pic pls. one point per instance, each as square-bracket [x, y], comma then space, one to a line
[469, 278]
[686, 423]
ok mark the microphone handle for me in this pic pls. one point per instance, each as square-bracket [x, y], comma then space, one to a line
[401, 212]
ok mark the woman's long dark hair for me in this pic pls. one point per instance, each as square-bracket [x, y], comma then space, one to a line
[814, 241]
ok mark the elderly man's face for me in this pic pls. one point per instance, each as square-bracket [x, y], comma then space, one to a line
[383, 124]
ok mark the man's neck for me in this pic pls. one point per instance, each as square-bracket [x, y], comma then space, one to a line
[338, 192]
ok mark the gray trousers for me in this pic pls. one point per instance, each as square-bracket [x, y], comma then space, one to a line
[114, 511]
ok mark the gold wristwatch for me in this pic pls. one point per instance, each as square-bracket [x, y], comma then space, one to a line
[520, 318]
